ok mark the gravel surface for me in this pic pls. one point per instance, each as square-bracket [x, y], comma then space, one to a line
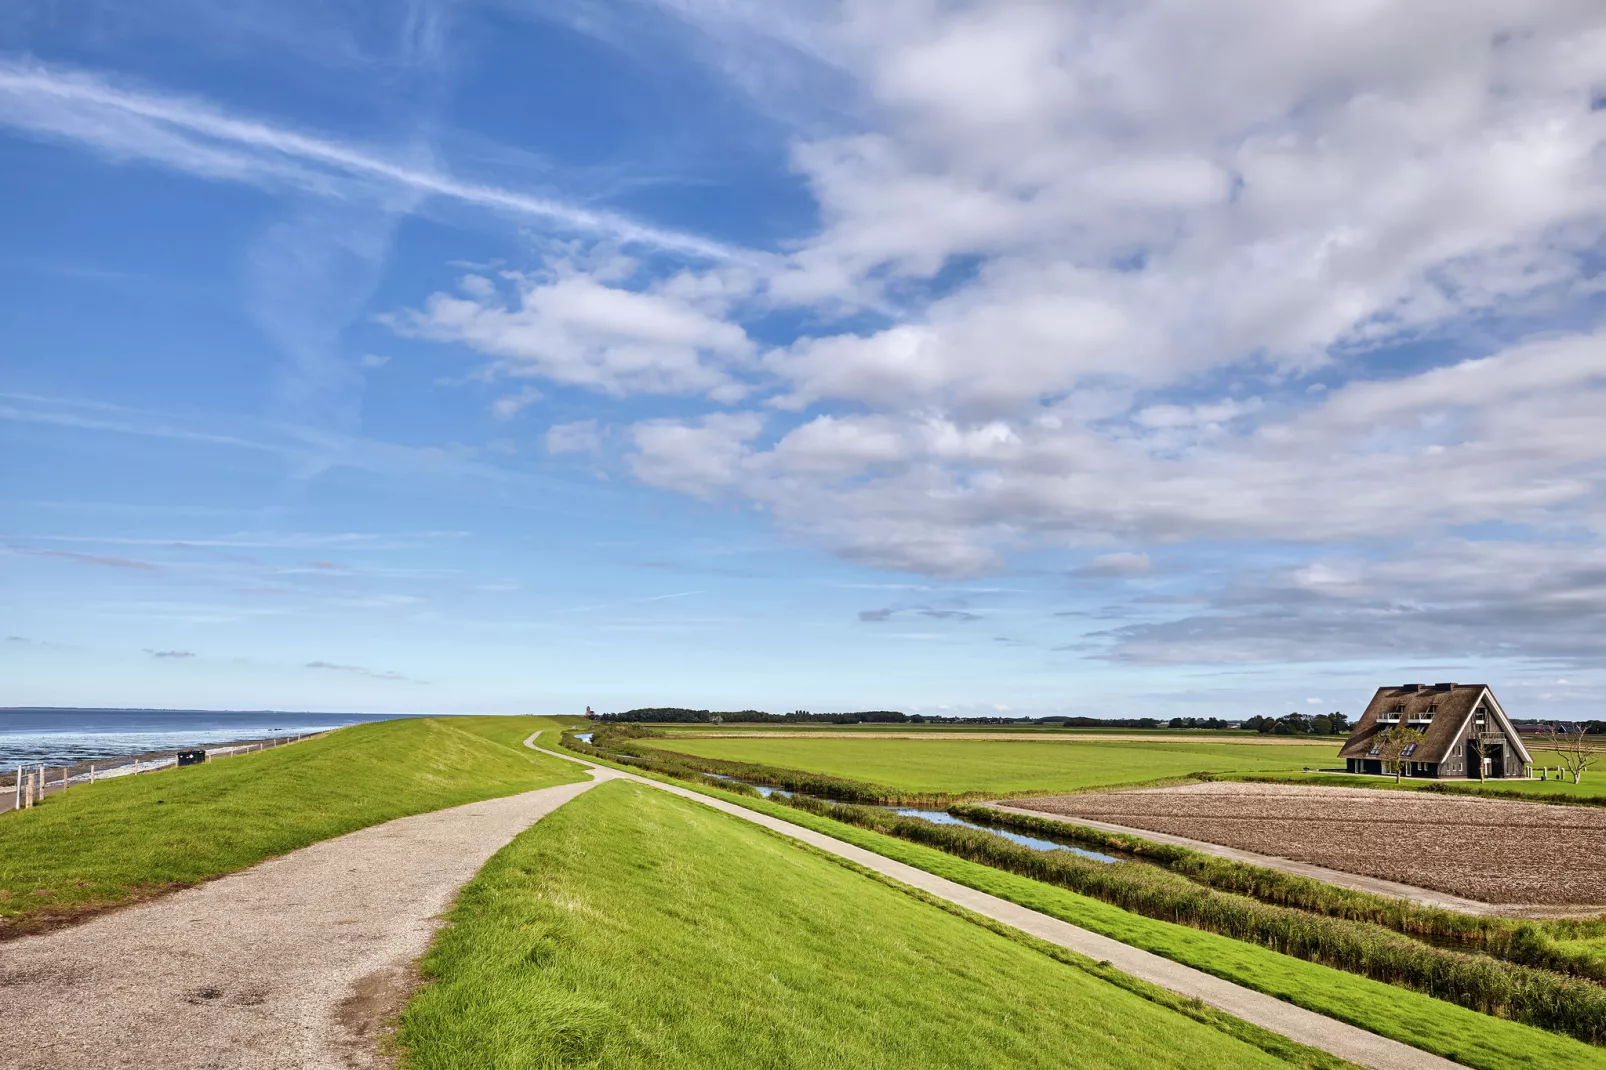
[294, 963]
[1487, 849]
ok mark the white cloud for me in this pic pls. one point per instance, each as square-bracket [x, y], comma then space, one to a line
[586, 328]
[581, 436]
[510, 405]
[699, 459]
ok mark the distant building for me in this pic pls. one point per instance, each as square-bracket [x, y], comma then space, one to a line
[1468, 735]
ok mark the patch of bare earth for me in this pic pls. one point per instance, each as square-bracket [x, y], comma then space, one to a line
[1492, 850]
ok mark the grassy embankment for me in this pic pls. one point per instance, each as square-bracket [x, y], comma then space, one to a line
[101, 845]
[936, 769]
[635, 929]
[1475, 1039]
[1525, 994]
[1575, 947]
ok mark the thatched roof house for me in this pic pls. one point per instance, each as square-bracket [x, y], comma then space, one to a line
[1468, 735]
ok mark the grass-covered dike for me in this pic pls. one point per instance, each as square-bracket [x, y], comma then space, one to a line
[633, 929]
[1443, 1028]
[101, 845]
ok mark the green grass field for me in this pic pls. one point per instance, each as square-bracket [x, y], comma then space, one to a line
[1004, 766]
[1466, 1036]
[634, 929]
[696, 728]
[97, 845]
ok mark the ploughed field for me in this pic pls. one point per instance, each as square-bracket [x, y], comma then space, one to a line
[1493, 850]
[946, 764]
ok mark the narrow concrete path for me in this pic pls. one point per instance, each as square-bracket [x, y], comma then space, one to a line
[285, 965]
[1345, 1041]
[1355, 881]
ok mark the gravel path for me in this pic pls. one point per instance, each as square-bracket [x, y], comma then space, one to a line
[290, 964]
[1345, 1041]
[1492, 850]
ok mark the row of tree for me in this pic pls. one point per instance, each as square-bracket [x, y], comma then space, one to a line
[1301, 724]
[675, 715]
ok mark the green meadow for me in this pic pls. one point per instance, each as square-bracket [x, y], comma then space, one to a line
[956, 766]
[98, 845]
[633, 929]
[1457, 1033]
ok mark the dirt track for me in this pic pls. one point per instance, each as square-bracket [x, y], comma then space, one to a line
[289, 965]
[1492, 850]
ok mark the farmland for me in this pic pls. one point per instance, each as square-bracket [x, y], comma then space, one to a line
[634, 929]
[1488, 849]
[1233, 925]
[956, 766]
[1474, 1039]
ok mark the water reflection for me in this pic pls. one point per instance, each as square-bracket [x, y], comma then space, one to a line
[939, 817]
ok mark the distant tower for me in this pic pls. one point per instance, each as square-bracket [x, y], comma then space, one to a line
[589, 714]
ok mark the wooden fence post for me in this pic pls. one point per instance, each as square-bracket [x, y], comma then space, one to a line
[18, 805]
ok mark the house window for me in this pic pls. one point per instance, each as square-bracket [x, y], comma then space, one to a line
[1410, 749]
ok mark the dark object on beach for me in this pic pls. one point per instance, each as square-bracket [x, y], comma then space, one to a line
[191, 757]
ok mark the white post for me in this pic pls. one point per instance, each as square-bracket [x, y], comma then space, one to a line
[91, 772]
[19, 788]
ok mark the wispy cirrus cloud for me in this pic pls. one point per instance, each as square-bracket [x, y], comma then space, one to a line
[195, 136]
[84, 559]
[361, 670]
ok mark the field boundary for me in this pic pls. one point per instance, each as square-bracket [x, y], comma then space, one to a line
[1337, 1038]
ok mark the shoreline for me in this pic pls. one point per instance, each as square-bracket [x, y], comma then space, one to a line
[79, 773]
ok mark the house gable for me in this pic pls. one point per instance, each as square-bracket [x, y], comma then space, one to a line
[1444, 713]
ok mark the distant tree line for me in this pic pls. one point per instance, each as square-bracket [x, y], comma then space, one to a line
[1298, 723]
[1301, 724]
[674, 715]
[1592, 728]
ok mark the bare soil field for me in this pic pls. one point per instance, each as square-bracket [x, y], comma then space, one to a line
[1491, 850]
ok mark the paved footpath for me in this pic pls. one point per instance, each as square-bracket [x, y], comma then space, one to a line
[284, 965]
[1345, 1041]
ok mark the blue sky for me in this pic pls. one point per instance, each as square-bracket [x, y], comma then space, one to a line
[502, 356]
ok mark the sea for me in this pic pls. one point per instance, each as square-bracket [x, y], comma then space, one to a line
[57, 736]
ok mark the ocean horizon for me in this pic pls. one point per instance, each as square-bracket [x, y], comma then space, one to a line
[65, 735]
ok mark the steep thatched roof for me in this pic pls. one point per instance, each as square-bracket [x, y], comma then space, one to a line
[1451, 706]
